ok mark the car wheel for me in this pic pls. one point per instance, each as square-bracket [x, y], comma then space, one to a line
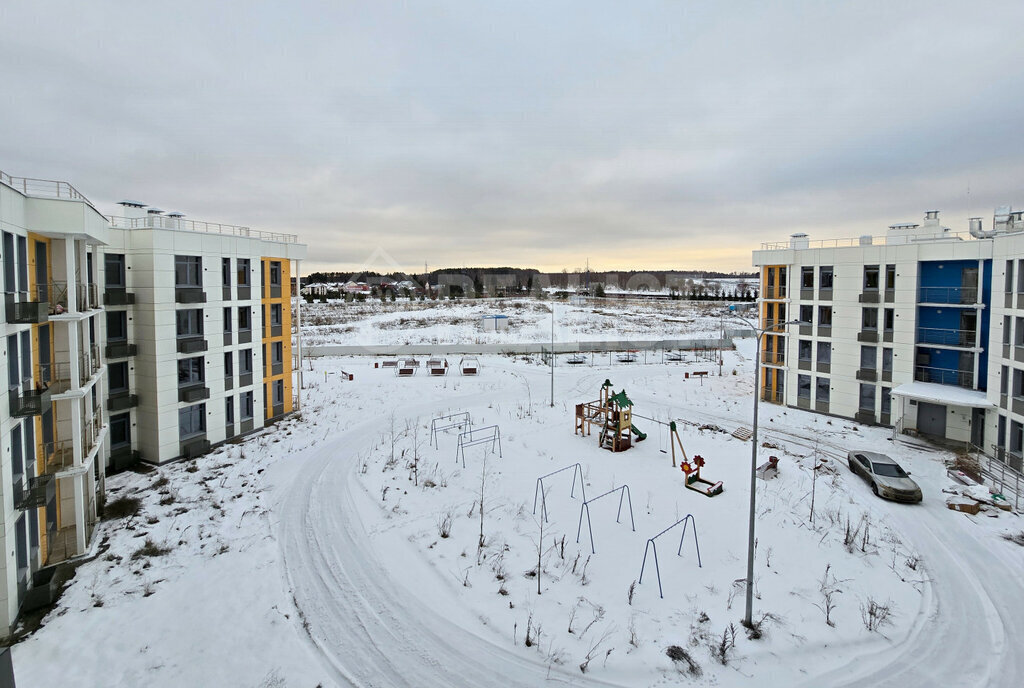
[874, 488]
[852, 469]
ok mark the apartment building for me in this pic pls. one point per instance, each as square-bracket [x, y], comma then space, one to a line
[142, 335]
[907, 330]
[53, 427]
[198, 332]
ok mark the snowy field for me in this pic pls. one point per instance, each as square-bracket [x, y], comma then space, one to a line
[343, 549]
[453, 322]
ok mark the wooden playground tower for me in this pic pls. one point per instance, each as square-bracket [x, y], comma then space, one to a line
[613, 412]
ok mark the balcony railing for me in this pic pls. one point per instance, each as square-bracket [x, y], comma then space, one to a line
[165, 222]
[774, 397]
[121, 350]
[774, 292]
[39, 491]
[87, 296]
[961, 295]
[25, 312]
[44, 188]
[30, 402]
[945, 376]
[58, 456]
[946, 337]
[114, 296]
[122, 402]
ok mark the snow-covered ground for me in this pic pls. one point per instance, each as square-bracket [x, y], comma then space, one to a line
[452, 322]
[313, 554]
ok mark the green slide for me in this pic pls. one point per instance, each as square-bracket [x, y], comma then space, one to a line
[640, 436]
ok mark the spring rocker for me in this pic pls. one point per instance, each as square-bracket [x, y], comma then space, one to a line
[695, 482]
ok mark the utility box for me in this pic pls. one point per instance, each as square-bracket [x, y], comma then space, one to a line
[494, 323]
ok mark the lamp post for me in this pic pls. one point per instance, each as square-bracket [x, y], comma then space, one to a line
[552, 354]
[758, 333]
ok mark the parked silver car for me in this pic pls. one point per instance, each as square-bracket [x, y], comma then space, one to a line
[886, 477]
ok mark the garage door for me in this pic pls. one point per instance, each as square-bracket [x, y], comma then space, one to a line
[931, 419]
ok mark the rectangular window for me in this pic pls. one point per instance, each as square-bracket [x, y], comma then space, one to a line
[803, 387]
[117, 377]
[1008, 285]
[275, 273]
[190, 322]
[890, 276]
[242, 271]
[22, 264]
[1018, 331]
[869, 319]
[1004, 380]
[870, 278]
[824, 352]
[806, 314]
[17, 459]
[188, 271]
[821, 392]
[807, 277]
[227, 320]
[886, 401]
[191, 371]
[120, 431]
[244, 319]
[890, 319]
[886, 360]
[191, 421]
[278, 392]
[263, 277]
[26, 355]
[277, 352]
[1018, 383]
[13, 374]
[225, 271]
[825, 316]
[229, 367]
[1020, 276]
[868, 357]
[1016, 437]
[245, 362]
[275, 314]
[229, 411]
[10, 285]
[117, 326]
[867, 398]
[1007, 326]
[245, 401]
[804, 348]
[113, 270]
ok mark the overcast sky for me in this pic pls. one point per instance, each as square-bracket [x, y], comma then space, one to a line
[636, 134]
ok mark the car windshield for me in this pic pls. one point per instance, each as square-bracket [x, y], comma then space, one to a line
[889, 470]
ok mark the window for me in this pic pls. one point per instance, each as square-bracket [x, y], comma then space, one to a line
[278, 392]
[886, 401]
[1018, 331]
[275, 314]
[17, 458]
[277, 353]
[191, 421]
[227, 320]
[117, 377]
[245, 362]
[1008, 286]
[9, 270]
[117, 326]
[890, 319]
[190, 322]
[13, 374]
[1016, 437]
[1007, 325]
[188, 271]
[824, 316]
[1004, 378]
[806, 314]
[263, 277]
[869, 319]
[229, 367]
[824, 352]
[821, 391]
[804, 347]
[244, 319]
[22, 264]
[868, 357]
[825, 277]
[191, 371]
[867, 397]
[225, 271]
[229, 411]
[886, 360]
[120, 431]
[890, 276]
[275, 273]
[245, 401]
[1018, 384]
[803, 387]
[1020, 275]
[242, 268]
[807, 277]
[113, 270]
[870, 278]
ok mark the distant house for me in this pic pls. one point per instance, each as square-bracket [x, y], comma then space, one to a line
[356, 288]
[315, 290]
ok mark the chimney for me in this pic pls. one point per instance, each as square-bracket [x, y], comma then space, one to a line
[799, 241]
[132, 209]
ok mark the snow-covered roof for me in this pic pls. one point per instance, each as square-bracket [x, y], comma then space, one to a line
[942, 394]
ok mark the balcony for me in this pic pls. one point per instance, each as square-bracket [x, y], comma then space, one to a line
[28, 403]
[123, 458]
[86, 297]
[774, 397]
[193, 393]
[191, 345]
[122, 402]
[58, 456]
[946, 337]
[26, 312]
[774, 292]
[948, 295]
[121, 350]
[118, 297]
[39, 491]
[189, 295]
[945, 376]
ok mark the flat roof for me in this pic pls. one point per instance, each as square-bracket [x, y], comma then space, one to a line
[934, 393]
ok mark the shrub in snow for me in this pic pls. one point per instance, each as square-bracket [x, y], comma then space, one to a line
[684, 662]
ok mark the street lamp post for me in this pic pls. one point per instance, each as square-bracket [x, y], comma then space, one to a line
[552, 354]
[758, 334]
